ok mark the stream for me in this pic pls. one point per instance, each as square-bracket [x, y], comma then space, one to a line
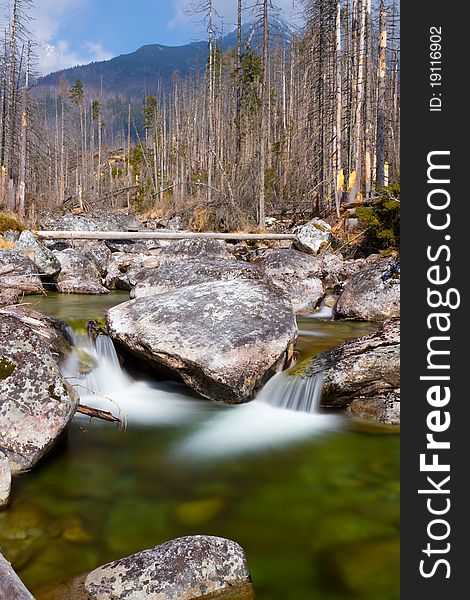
[312, 496]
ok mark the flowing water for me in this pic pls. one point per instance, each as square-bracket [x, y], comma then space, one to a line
[312, 496]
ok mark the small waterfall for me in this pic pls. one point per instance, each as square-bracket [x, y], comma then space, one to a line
[107, 387]
[293, 393]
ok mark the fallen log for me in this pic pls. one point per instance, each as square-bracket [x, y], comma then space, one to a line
[98, 414]
[158, 235]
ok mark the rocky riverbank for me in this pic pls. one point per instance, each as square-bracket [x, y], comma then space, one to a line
[218, 316]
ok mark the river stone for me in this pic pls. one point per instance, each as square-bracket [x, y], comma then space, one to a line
[19, 272]
[46, 262]
[296, 273]
[383, 409]
[313, 237]
[365, 369]
[11, 586]
[5, 479]
[36, 402]
[130, 246]
[195, 248]
[187, 568]
[178, 274]
[372, 294]
[99, 254]
[79, 275]
[223, 338]
[123, 269]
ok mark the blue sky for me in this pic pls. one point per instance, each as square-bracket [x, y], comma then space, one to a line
[73, 32]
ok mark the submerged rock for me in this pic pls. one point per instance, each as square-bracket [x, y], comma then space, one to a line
[11, 587]
[313, 237]
[363, 373]
[296, 273]
[36, 402]
[5, 478]
[372, 294]
[178, 274]
[78, 275]
[189, 568]
[19, 272]
[224, 338]
[46, 262]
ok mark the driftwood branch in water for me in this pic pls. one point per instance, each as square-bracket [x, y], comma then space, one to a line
[97, 413]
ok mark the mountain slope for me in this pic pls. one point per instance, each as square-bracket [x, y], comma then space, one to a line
[132, 75]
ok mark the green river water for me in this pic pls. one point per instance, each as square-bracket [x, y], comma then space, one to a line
[318, 518]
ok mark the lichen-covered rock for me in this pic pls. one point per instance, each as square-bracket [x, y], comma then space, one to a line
[373, 293]
[94, 221]
[313, 237]
[130, 246]
[296, 273]
[195, 248]
[364, 371]
[223, 338]
[19, 272]
[46, 262]
[36, 402]
[99, 254]
[9, 296]
[188, 568]
[5, 479]
[335, 270]
[123, 268]
[11, 587]
[78, 275]
[178, 274]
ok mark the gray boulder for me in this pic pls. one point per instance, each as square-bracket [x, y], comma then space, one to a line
[5, 479]
[123, 268]
[224, 338]
[372, 294]
[78, 275]
[296, 273]
[188, 568]
[195, 248]
[46, 262]
[363, 373]
[36, 402]
[94, 221]
[19, 272]
[313, 237]
[11, 587]
[99, 254]
[178, 274]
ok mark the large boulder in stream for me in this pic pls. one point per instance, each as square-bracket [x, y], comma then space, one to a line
[298, 274]
[188, 568]
[373, 293]
[178, 274]
[123, 269]
[78, 275]
[224, 338]
[363, 373]
[36, 402]
[11, 587]
[46, 262]
[19, 272]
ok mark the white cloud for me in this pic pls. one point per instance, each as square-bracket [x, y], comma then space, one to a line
[54, 52]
